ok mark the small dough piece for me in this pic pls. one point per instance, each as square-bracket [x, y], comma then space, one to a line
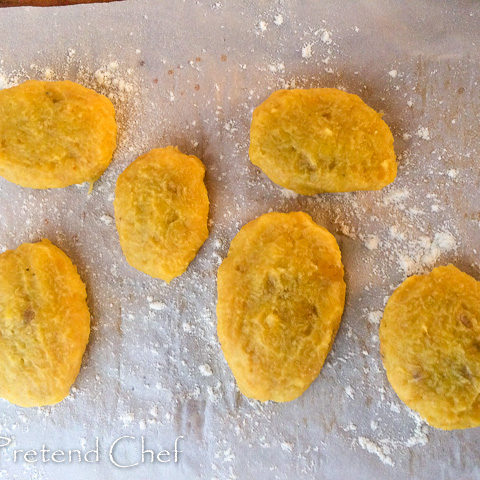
[55, 134]
[161, 212]
[321, 140]
[430, 344]
[280, 302]
[44, 324]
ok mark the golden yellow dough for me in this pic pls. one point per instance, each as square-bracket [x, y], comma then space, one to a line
[55, 134]
[44, 324]
[430, 343]
[321, 140]
[161, 210]
[280, 301]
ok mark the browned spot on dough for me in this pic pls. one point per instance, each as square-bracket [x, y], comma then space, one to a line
[465, 320]
[172, 187]
[197, 87]
[417, 374]
[28, 316]
[171, 217]
[306, 163]
[466, 373]
[223, 58]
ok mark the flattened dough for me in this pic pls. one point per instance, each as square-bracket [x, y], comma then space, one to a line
[55, 134]
[280, 301]
[430, 343]
[321, 140]
[161, 211]
[44, 324]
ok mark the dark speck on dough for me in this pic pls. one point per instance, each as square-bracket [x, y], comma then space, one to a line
[28, 316]
[465, 321]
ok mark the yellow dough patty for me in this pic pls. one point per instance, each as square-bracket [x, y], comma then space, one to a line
[44, 324]
[55, 134]
[430, 344]
[321, 140]
[161, 212]
[280, 301]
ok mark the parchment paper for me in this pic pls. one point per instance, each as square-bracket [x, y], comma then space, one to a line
[189, 73]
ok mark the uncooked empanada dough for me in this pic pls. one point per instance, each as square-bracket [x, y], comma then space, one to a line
[321, 140]
[161, 212]
[44, 324]
[55, 134]
[430, 343]
[280, 301]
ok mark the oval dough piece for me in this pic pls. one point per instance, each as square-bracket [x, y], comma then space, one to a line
[55, 134]
[44, 324]
[280, 301]
[430, 344]
[321, 140]
[161, 212]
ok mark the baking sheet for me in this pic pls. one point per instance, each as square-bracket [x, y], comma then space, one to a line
[189, 73]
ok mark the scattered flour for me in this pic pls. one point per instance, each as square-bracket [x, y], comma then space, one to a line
[278, 20]
[349, 392]
[127, 418]
[381, 451]
[420, 433]
[375, 317]
[106, 219]
[287, 446]
[307, 50]
[452, 173]
[424, 253]
[326, 37]
[350, 428]
[372, 242]
[396, 197]
[108, 77]
[205, 370]
[262, 25]
[423, 133]
[158, 306]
